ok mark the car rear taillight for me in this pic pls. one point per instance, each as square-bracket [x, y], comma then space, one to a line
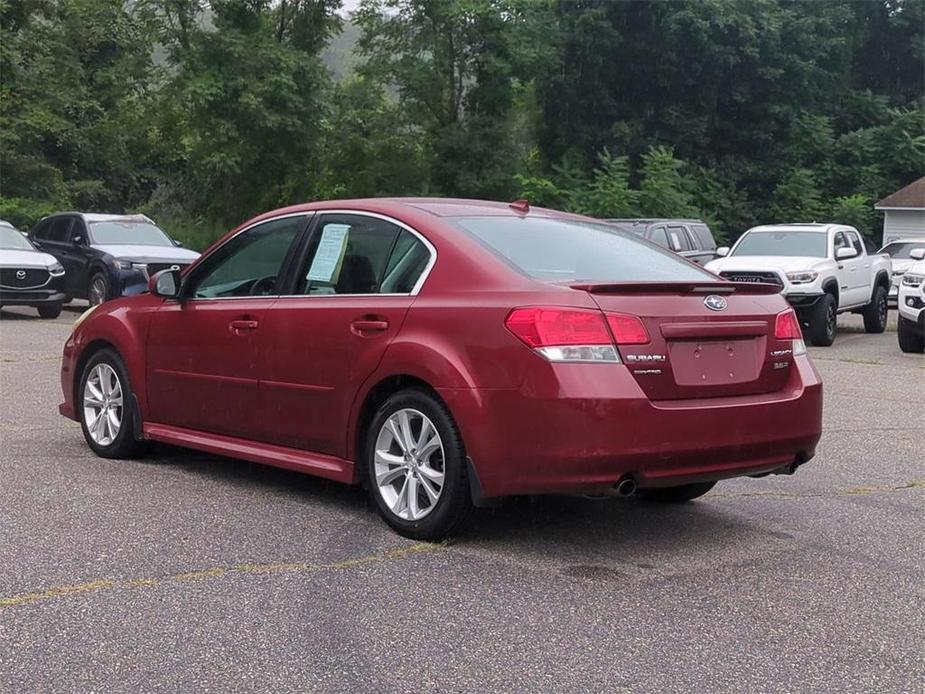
[573, 334]
[787, 327]
[627, 330]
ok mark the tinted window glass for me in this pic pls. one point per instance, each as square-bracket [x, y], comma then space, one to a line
[856, 242]
[704, 236]
[59, 229]
[564, 250]
[810, 244]
[901, 251]
[354, 254]
[678, 238]
[249, 264]
[40, 230]
[659, 236]
[128, 232]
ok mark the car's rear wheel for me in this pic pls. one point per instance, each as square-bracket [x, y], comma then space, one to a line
[676, 495]
[823, 321]
[416, 466]
[49, 311]
[875, 313]
[105, 406]
[909, 339]
[98, 290]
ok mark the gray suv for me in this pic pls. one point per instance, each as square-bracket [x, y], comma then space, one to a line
[691, 238]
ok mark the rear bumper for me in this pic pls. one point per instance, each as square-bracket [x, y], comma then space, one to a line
[579, 436]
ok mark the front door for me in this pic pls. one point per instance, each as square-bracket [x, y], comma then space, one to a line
[202, 356]
[319, 344]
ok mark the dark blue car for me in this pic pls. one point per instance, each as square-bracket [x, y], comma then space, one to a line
[105, 255]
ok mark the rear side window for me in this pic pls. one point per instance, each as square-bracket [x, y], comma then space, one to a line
[677, 236]
[566, 251]
[659, 235]
[355, 254]
[704, 236]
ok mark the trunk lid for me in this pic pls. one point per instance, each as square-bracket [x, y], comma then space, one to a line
[695, 351]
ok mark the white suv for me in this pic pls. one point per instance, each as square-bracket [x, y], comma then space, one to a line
[911, 304]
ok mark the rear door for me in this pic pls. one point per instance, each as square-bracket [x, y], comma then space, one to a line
[681, 241]
[358, 276]
[202, 350]
[75, 258]
[695, 351]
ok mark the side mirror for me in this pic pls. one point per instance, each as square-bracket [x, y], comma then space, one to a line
[165, 283]
[178, 244]
[722, 251]
[917, 253]
[78, 240]
[845, 253]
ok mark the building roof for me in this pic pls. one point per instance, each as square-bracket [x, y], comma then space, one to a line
[910, 197]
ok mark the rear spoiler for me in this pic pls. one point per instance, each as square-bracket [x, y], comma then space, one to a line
[708, 287]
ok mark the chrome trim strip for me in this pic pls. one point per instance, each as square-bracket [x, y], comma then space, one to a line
[414, 290]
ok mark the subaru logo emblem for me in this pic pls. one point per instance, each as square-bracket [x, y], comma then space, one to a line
[715, 303]
[20, 274]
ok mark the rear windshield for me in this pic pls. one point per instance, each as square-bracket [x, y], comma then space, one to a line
[128, 233]
[563, 250]
[901, 251]
[809, 244]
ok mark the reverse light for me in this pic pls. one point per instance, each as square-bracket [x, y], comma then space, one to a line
[563, 334]
[787, 327]
[802, 277]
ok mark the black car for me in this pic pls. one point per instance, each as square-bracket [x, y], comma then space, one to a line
[28, 277]
[106, 255]
[691, 238]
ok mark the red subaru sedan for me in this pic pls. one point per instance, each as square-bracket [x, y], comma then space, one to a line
[446, 352]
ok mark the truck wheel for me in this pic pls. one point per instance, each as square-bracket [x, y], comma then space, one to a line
[909, 339]
[875, 311]
[823, 321]
[49, 311]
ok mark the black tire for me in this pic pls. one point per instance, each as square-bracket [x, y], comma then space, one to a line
[98, 289]
[676, 495]
[49, 311]
[454, 503]
[909, 339]
[823, 321]
[123, 444]
[875, 313]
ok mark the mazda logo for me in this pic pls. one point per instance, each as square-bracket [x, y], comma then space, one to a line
[20, 274]
[715, 303]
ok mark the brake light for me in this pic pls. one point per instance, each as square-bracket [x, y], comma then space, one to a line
[787, 327]
[563, 334]
[627, 330]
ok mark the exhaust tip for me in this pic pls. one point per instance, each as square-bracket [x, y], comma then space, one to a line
[626, 486]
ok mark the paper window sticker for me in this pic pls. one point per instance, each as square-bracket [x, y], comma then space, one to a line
[330, 253]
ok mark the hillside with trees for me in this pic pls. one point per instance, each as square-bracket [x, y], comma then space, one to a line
[738, 111]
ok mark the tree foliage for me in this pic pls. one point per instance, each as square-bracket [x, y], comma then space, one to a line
[205, 112]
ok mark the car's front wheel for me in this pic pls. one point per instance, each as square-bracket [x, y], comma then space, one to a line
[909, 339]
[98, 290]
[104, 403]
[676, 495]
[49, 311]
[416, 466]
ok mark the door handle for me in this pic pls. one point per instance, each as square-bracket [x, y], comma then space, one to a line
[239, 327]
[363, 327]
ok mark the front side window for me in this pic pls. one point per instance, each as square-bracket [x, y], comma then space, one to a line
[703, 234]
[679, 239]
[902, 250]
[355, 254]
[60, 230]
[856, 242]
[128, 232]
[807, 244]
[660, 237]
[561, 250]
[250, 263]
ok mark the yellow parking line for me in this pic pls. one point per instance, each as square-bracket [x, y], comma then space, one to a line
[213, 573]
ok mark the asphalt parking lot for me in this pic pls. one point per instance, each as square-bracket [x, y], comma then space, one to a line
[186, 572]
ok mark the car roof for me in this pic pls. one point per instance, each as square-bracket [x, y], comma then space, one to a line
[98, 217]
[810, 226]
[652, 220]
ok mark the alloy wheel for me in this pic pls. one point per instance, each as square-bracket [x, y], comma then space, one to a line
[97, 291]
[102, 402]
[409, 464]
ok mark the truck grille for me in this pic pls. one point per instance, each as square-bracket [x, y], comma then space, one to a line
[768, 277]
[23, 278]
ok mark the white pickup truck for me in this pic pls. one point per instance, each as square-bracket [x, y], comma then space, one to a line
[821, 269]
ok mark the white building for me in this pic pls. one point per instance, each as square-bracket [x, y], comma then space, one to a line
[904, 212]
